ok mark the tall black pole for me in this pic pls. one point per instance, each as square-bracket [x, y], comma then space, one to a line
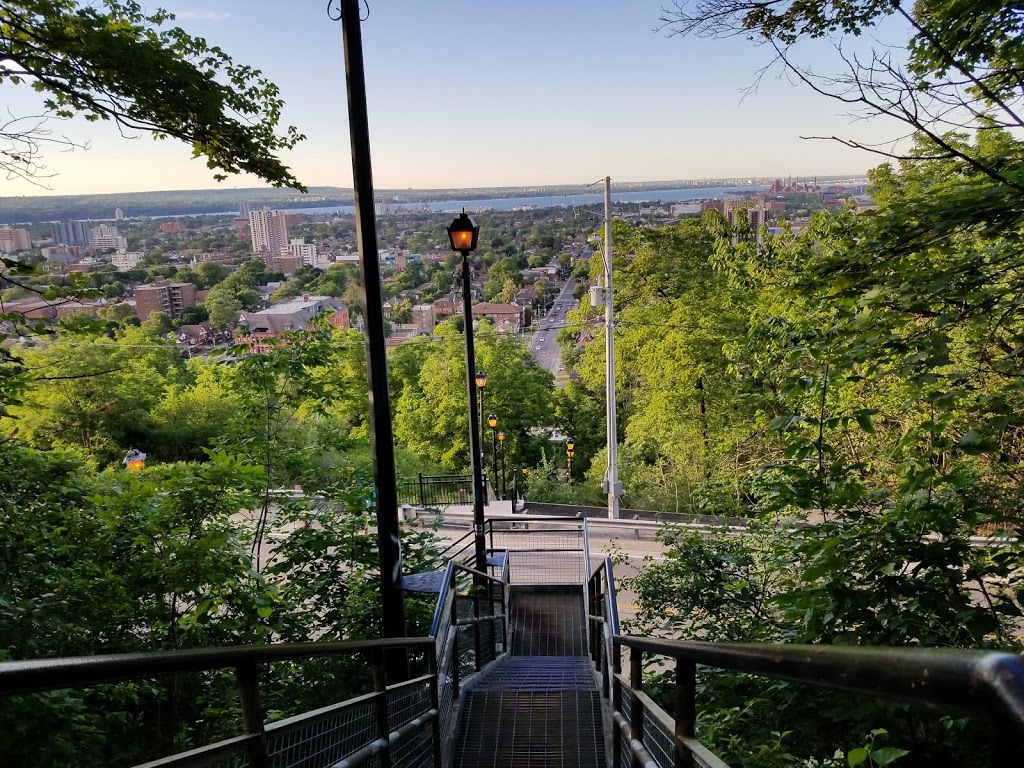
[381, 437]
[475, 447]
[483, 462]
[503, 494]
[494, 456]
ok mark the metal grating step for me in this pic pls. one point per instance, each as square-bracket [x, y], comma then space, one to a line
[540, 673]
[548, 624]
[503, 729]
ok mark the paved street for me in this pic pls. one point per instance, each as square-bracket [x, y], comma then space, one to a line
[543, 343]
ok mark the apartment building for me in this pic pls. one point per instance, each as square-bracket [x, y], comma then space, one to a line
[161, 296]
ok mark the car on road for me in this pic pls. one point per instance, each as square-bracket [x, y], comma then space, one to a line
[542, 338]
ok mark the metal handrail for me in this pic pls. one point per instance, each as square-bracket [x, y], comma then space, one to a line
[449, 574]
[19, 677]
[983, 681]
[990, 683]
[35, 675]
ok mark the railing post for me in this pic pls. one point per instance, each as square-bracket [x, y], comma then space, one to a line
[686, 710]
[423, 498]
[506, 622]
[455, 644]
[247, 675]
[476, 625]
[636, 709]
[616, 703]
[493, 623]
[380, 688]
[435, 704]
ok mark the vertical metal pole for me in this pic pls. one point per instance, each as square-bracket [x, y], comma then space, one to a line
[686, 710]
[494, 456]
[252, 714]
[477, 639]
[455, 642]
[503, 492]
[616, 704]
[435, 704]
[636, 709]
[613, 443]
[475, 442]
[381, 436]
[423, 498]
[483, 421]
[380, 689]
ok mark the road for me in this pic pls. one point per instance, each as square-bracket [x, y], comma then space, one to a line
[544, 343]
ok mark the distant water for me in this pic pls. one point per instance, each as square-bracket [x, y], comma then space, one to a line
[545, 201]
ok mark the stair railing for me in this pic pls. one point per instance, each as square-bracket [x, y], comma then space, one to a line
[461, 645]
[986, 683]
[603, 621]
[390, 717]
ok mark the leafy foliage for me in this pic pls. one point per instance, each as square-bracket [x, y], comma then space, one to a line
[112, 61]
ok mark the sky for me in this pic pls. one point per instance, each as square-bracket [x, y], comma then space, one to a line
[555, 92]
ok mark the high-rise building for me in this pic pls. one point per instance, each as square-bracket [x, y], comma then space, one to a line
[118, 214]
[161, 296]
[70, 232]
[301, 252]
[12, 240]
[105, 237]
[243, 210]
[269, 231]
[752, 211]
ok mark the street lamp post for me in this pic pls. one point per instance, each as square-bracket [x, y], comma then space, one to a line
[463, 234]
[570, 451]
[492, 422]
[501, 442]
[481, 384]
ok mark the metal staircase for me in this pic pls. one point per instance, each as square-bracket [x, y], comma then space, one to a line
[540, 707]
[519, 670]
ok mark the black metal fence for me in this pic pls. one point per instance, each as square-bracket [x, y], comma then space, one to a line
[436, 490]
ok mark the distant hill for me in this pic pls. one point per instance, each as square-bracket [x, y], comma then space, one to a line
[185, 201]
[29, 209]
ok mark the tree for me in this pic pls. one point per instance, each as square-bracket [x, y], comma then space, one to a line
[962, 68]
[498, 276]
[431, 417]
[96, 393]
[115, 62]
[222, 310]
[194, 315]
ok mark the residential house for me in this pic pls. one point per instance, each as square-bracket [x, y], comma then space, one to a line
[423, 317]
[504, 316]
[280, 319]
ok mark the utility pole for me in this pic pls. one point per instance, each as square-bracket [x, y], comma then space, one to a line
[611, 481]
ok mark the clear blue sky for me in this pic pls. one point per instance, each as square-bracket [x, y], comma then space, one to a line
[561, 91]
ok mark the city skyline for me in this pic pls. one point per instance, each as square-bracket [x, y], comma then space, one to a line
[562, 95]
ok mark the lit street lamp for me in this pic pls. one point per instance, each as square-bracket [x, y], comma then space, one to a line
[492, 422]
[569, 453]
[463, 234]
[501, 442]
[134, 460]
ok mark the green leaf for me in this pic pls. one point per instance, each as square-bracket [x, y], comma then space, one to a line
[886, 755]
[857, 756]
